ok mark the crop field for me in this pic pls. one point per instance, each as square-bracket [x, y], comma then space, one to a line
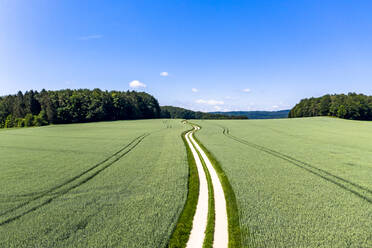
[107, 184]
[298, 182]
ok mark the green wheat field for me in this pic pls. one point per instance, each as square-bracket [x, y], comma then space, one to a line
[107, 184]
[303, 182]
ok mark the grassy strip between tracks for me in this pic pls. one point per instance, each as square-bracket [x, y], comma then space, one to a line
[235, 240]
[209, 232]
[182, 230]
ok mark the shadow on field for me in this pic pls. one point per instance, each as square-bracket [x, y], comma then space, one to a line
[85, 176]
[356, 189]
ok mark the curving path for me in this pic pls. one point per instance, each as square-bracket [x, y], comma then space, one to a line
[199, 225]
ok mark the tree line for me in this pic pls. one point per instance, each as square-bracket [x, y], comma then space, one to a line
[34, 108]
[181, 113]
[351, 106]
[258, 114]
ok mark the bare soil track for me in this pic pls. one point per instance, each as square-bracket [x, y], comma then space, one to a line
[197, 235]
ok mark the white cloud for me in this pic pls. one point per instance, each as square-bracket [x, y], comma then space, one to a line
[231, 97]
[164, 74]
[275, 106]
[194, 90]
[210, 102]
[137, 84]
[90, 37]
[217, 108]
[247, 90]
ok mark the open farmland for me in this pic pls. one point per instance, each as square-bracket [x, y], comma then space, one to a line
[298, 182]
[107, 184]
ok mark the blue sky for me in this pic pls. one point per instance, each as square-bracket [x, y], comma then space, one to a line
[217, 55]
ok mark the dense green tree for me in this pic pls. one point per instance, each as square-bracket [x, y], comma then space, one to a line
[341, 112]
[39, 120]
[29, 120]
[19, 122]
[47, 105]
[83, 105]
[32, 105]
[71, 106]
[9, 122]
[351, 106]
[324, 105]
[19, 107]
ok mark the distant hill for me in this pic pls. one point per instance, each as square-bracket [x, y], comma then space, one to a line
[181, 113]
[258, 114]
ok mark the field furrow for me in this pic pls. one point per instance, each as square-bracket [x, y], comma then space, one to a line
[57, 191]
[220, 237]
[209, 226]
[360, 191]
[68, 199]
[200, 218]
[298, 183]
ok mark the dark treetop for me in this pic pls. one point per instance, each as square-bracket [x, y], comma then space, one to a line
[351, 106]
[71, 106]
[83, 105]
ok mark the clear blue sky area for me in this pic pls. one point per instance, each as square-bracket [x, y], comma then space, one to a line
[203, 55]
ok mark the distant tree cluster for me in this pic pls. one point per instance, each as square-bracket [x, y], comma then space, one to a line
[351, 106]
[258, 114]
[72, 106]
[181, 113]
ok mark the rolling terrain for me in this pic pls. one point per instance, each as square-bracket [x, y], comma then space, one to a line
[287, 183]
[113, 184]
[298, 182]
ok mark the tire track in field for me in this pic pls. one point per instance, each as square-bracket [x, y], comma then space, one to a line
[75, 177]
[54, 188]
[75, 181]
[79, 175]
[200, 218]
[220, 230]
[356, 189]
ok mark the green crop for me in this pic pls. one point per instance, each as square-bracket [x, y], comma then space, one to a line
[107, 184]
[231, 205]
[288, 183]
[183, 228]
[298, 182]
